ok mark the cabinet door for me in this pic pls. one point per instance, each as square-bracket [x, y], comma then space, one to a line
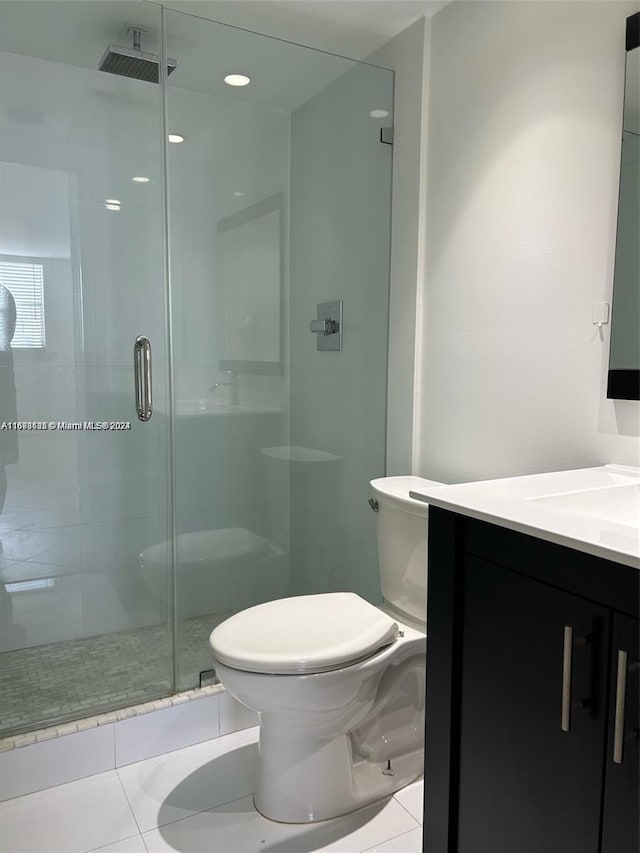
[620, 832]
[525, 784]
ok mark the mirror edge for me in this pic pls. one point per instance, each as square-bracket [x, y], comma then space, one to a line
[625, 384]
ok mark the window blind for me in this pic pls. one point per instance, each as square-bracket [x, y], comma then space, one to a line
[25, 283]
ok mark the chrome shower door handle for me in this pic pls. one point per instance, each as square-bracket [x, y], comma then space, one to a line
[142, 370]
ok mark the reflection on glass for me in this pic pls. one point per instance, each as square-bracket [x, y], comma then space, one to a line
[79, 631]
[250, 275]
[624, 357]
[279, 199]
[8, 442]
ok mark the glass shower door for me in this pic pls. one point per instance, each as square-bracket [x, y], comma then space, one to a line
[85, 588]
[227, 201]
[279, 199]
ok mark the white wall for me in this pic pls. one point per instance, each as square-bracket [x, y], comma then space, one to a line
[522, 169]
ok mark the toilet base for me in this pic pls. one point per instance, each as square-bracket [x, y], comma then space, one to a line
[301, 780]
[332, 742]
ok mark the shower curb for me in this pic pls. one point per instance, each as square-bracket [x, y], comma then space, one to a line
[60, 730]
[105, 742]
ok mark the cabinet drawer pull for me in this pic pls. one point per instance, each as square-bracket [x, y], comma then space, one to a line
[621, 695]
[567, 660]
[567, 667]
[624, 668]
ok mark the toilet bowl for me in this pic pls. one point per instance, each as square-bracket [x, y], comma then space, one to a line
[338, 684]
[217, 571]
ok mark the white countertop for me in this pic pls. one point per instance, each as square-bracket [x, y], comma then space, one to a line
[202, 407]
[595, 510]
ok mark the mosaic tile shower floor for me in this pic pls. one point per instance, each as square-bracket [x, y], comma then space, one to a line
[74, 677]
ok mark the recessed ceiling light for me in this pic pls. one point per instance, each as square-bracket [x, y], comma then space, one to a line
[379, 113]
[112, 206]
[238, 194]
[112, 201]
[176, 137]
[140, 179]
[237, 80]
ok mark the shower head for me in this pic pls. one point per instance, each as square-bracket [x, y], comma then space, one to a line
[133, 61]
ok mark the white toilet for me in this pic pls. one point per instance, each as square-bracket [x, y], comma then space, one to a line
[339, 684]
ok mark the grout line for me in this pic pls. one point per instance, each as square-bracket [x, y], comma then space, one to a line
[407, 810]
[387, 840]
[206, 811]
[193, 814]
[174, 753]
[170, 754]
[126, 796]
[117, 841]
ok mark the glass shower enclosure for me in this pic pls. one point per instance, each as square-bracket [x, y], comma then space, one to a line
[174, 444]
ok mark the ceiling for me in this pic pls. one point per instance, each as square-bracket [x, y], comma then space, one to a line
[353, 28]
[349, 28]
[284, 75]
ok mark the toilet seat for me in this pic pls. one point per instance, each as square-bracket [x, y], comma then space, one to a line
[303, 635]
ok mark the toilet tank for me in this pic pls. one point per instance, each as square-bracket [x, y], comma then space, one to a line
[402, 545]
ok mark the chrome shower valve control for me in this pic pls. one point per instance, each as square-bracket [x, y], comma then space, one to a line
[328, 326]
[324, 327]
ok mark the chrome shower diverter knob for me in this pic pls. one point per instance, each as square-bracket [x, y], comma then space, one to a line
[324, 327]
[327, 326]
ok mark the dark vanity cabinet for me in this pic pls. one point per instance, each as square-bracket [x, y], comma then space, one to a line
[532, 698]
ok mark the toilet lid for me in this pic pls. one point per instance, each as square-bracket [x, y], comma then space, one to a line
[304, 634]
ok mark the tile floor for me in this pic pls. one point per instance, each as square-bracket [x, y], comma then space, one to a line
[194, 800]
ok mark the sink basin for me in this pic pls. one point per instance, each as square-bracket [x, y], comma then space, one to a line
[618, 504]
[207, 407]
[194, 407]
